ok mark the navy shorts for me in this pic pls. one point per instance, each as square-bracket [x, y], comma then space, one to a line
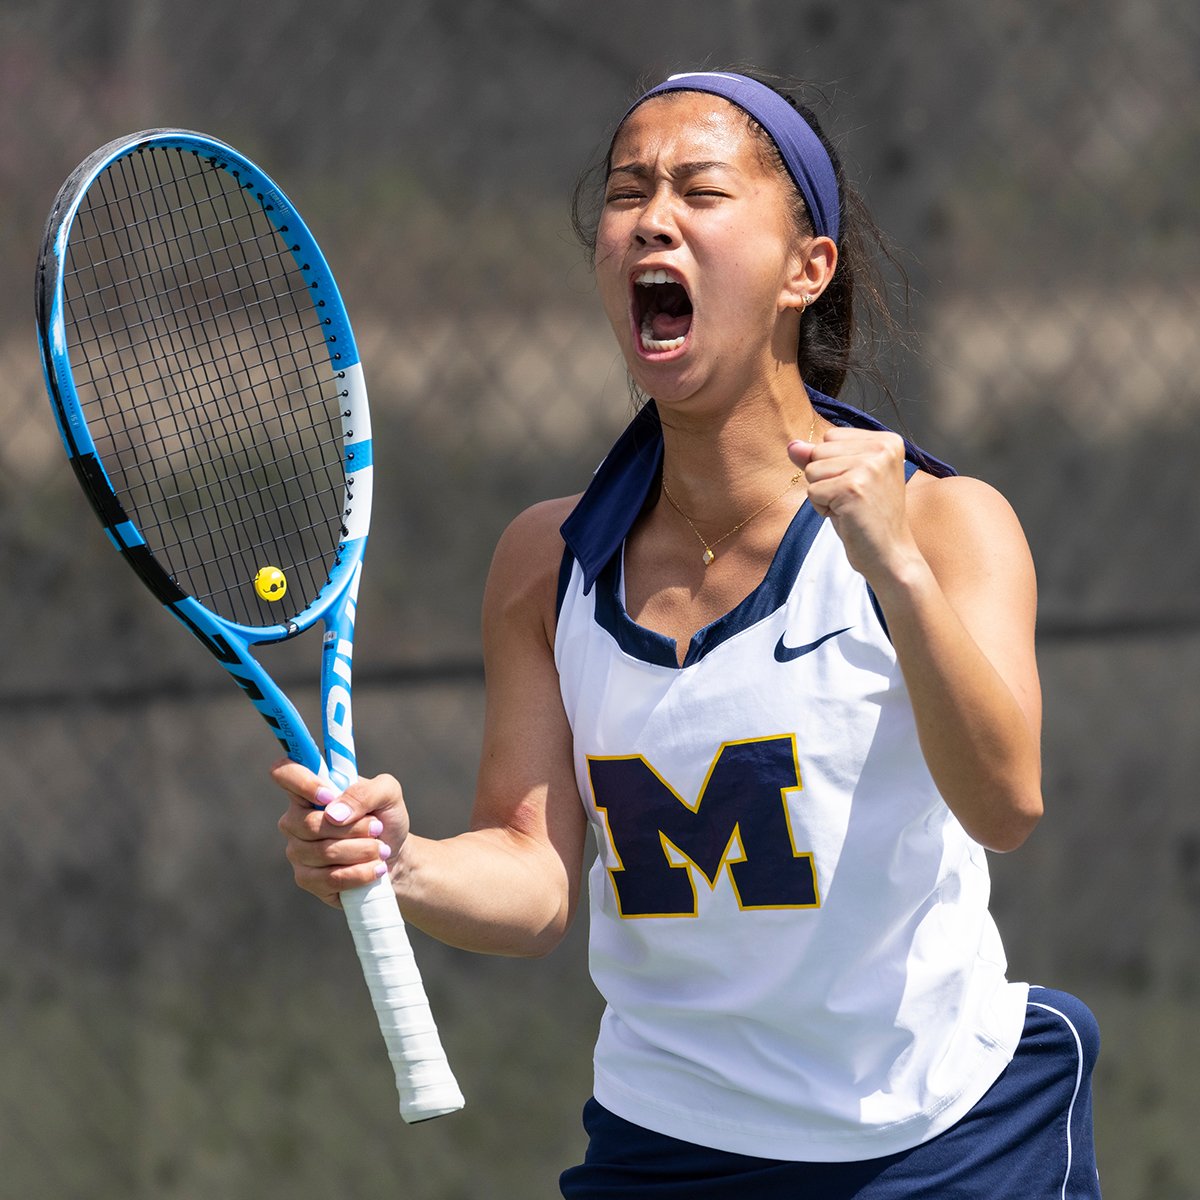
[1029, 1138]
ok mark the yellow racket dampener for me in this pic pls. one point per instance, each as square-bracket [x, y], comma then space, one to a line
[270, 583]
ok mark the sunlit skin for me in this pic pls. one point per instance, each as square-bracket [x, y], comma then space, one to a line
[691, 193]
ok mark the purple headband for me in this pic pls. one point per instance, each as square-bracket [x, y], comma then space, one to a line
[803, 154]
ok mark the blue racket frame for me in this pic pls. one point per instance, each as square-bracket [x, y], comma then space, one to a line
[228, 641]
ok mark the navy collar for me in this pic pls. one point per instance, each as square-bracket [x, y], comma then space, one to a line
[599, 523]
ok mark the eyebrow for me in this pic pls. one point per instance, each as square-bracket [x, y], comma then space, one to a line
[642, 171]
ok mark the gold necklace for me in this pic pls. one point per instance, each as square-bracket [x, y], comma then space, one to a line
[709, 551]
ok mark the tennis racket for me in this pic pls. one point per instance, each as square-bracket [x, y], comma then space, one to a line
[208, 390]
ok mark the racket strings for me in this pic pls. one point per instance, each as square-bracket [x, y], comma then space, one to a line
[263, 291]
[150, 325]
[199, 351]
[291, 384]
[303, 506]
[181, 356]
[212, 490]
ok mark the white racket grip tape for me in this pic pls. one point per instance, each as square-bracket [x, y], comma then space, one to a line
[424, 1080]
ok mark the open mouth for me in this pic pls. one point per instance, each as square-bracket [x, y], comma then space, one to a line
[662, 311]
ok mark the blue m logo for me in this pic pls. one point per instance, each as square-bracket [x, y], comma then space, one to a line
[738, 823]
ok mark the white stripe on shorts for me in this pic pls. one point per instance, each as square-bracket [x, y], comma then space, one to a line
[1078, 1079]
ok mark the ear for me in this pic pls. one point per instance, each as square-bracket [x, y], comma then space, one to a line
[812, 268]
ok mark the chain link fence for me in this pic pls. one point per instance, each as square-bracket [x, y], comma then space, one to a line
[179, 1022]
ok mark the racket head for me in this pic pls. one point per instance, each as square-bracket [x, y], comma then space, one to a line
[206, 382]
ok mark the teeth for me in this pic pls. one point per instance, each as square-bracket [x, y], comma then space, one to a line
[650, 342]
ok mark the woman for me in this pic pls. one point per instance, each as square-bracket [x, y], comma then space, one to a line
[782, 662]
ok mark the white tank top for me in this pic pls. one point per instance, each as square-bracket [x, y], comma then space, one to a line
[788, 925]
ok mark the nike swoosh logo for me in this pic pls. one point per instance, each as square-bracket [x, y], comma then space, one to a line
[789, 653]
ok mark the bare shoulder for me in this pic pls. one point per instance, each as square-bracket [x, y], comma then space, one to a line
[964, 523]
[532, 543]
[523, 580]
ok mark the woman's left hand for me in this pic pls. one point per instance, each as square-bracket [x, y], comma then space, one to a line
[856, 479]
[949, 566]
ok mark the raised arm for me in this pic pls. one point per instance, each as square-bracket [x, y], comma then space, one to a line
[510, 883]
[951, 569]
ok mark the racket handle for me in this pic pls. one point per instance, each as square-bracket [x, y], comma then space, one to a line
[424, 1080]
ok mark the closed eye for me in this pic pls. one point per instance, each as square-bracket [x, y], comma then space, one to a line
[619, 195]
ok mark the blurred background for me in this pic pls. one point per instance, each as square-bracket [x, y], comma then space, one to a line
[178, 1021]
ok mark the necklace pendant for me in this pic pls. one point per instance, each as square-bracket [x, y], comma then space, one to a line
[707, 556]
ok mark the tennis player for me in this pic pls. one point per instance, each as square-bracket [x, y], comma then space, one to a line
[782, 662]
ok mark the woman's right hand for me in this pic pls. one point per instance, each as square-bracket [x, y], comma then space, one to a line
[334, 842]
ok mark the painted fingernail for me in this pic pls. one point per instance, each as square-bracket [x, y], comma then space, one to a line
[380, 869]
[376, 827]
[325, 796]
[337, 811]
[385, 851]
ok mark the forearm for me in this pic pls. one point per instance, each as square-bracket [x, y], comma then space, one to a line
[492, 891]
[980, 742]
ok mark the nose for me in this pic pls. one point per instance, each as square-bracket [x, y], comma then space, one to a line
[656, 223]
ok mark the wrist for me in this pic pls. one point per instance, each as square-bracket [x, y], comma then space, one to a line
[404, 867]
[903, 581]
